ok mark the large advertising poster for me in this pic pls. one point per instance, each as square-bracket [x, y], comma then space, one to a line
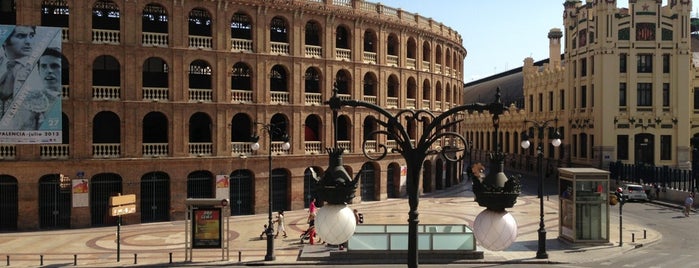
[30, 84]
[206, 229]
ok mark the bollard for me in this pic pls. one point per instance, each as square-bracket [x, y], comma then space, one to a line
[41, 260]
[633, 237]
[170, 257]
[644, 233]
[240, 256]
[135, 258]
[8, 260]
[75, 259]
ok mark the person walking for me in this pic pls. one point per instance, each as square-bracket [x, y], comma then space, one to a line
[688, 202]
[280, 224]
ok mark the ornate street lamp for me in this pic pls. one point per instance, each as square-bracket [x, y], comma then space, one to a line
[270, 129]
[434, 129]
[541, 125]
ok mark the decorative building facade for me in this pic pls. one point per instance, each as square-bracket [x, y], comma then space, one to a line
[624, 89]
[161, 99]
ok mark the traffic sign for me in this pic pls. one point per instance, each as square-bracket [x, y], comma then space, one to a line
[122, 200]
[122, 210]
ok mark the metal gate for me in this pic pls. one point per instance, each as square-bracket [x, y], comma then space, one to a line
[391, 191]
[155, 197]
[368, 182]
[242, 193]
[200, 184]
[439, 175]
[54, 203]
[102, 187]
[8, 203]
[280, 189]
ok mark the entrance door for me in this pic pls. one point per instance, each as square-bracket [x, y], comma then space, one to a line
[242, 193]
[8, 203]
[155, 197]
[368, 182]
[644, 145]
[103, 186]
[54, 203]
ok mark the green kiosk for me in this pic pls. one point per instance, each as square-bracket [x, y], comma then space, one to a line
[583, 205]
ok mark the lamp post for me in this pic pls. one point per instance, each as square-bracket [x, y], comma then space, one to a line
[541, 125]
[270, 129]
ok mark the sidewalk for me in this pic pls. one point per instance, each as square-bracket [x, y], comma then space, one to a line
[155, 244]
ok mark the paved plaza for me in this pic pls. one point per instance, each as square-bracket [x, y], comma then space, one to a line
[159, 243]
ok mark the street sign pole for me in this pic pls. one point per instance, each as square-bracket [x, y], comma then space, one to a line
[118, 238]
[121, 205]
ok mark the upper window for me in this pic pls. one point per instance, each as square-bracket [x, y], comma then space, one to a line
[622, 63]
[645, 94]
[644, 63]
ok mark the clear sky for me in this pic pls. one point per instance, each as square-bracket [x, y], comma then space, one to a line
[498, 34]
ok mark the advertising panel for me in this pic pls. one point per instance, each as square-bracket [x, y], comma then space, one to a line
[30, 84]
[206, 228]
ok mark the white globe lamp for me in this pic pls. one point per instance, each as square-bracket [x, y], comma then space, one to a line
[335, 223]
[495, 230]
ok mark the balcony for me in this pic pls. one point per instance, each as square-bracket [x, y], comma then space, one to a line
[280, 48]
[313, 147]
[347, 145]
[344, 96]
[279, 97]
[54, 151]
[370, 145]
[370, 99]
[392, 102]
[155, 94]
[155, 149]
[65, 92]
[240, 149]
[343, 54]
[438, 68]
[426, 104]
[241, 45]
[200, 42]
[438, 105]
[277, 148]
[410, 63]
[106, 150]
[241, 96]
[201, 148]
[313, 98]
[425, 66]
[106, 93]
[369, 57]
[200, 95]
[154, 39]
[410, 103]
[8, 151]
[314, 51]
[392, 60]
[109, 37]
[64, 34]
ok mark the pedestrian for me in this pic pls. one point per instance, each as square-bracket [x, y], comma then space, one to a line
[358, 217]
[280, 224]
[264, 231]
[688, 202]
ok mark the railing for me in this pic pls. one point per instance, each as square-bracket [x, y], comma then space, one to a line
[241, 96]
[370, 99]
[155, 149]
[280, 48]
[279, 97]
[201, 148]
[106, 150]
[313, 98]
[347, 145]
[344, 96]
[425, 66]
[410, 103]
[65, 92]
[241, 45]
[369, 57]
[155, 93]
[647, 174]
[313, 147]
[106, 93]
[111, 37]
[54, 151]
[154, 39]
[395, 237]
[200, 42]
[200, 95]
[391, 144]
[240, 148]
[64, 34]
[410, 63]
[314, 51]
[438, 68]
[343, 54]
[346, 3]
[392, 102]
[370, 145]
[277, 148]
[438, 105]
[8, 151]
[392, 60]
[426, 104]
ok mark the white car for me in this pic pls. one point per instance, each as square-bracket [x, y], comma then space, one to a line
[634, 192]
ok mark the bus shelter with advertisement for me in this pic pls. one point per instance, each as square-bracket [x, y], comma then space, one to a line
[583, 205]
[207, 226]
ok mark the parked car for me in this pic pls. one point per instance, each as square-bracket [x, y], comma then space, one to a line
[634, 192]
